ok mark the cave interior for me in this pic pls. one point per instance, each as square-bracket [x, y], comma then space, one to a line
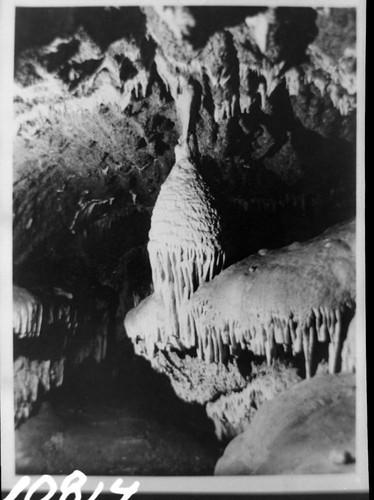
[184, 203]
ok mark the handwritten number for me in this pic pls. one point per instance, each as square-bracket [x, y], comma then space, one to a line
[43, 479]
[126, 492]
[18, 487]
[98, 490]
[72, 485]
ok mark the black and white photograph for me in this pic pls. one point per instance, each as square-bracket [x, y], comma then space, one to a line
[183, 263]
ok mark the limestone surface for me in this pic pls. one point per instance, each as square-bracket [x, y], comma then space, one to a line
[308, 429]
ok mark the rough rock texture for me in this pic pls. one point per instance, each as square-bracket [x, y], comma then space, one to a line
[196, 381]
[308, 429]
[32, 377]
[233, 413]
[102, 96]
[230, 393]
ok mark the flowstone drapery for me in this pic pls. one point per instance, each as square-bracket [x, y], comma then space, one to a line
[295, 302]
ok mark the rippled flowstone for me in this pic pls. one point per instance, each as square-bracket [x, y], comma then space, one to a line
[185, 242]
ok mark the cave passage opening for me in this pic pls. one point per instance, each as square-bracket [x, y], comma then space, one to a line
[117, 418]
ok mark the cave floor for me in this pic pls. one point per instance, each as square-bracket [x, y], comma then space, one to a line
[135, 426]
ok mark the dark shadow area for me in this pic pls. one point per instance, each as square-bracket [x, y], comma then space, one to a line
[39, 26]
[118, 418]
[328, 163]
[296, 30]
[210, 20]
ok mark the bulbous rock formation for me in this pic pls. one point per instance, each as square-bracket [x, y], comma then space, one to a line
[308, 429]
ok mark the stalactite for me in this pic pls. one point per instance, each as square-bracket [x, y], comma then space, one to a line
[292, 78]
[349, 348]
[185, 247]
[292, 300]
[185, 250]
[262, 338]
[51, 316]
[263, 303]
[27, 313]
[33, 315]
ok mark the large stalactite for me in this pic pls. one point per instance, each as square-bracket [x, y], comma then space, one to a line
[184, 242]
